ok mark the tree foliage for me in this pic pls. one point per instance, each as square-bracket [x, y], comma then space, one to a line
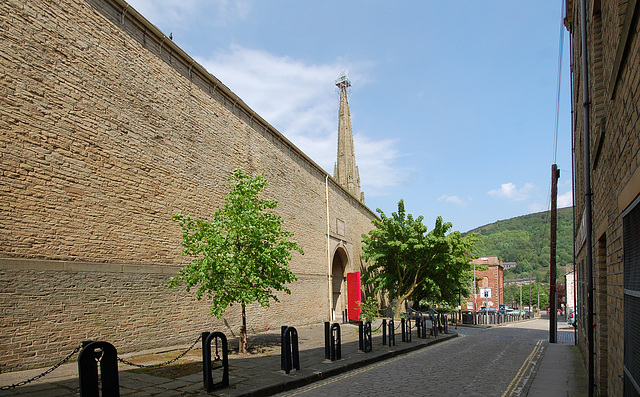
[409, 263]
[241, 255]
[369, 308]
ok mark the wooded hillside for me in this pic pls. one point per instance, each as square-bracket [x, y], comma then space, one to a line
[525, 240]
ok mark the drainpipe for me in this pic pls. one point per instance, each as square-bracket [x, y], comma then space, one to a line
[326, 195]
[587, 192]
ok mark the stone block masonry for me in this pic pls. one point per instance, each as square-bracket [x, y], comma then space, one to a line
[613, 73]
[107, 129]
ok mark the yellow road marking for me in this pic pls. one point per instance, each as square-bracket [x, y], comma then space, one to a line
[528, 362]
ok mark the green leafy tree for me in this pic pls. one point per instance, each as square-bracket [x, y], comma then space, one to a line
[369, 308]
[407, 262]
[241, 255]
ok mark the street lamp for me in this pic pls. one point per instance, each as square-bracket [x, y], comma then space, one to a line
[475, 296]
[459, 292]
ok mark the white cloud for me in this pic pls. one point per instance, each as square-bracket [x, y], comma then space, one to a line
[160, 12]
[301, 101]
[453, 199]
[376, 164]
[511, 192]
[565, 200]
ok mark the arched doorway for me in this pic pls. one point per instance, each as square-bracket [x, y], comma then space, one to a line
[338, 274]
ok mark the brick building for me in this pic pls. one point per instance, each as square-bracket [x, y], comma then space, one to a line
[490, 284]
[107, 129]
[606, 133]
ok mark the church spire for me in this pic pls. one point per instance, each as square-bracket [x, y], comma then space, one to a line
[346, 171]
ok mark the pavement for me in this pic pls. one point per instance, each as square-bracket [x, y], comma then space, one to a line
[561, 371]
[554, 369]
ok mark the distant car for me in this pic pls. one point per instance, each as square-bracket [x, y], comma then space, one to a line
[504, 309]
[490, 310]
[571, 319]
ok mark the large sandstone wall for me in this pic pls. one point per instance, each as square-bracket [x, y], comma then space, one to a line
[106, 130]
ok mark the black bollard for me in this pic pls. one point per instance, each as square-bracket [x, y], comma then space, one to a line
[106, 355]
[434, 323]
[283, 328]
[336, 342]
[384, 331]
[360, 335]
[402, 330]
[368, 344]
[392, 333]
[289, 353]
[327, 341]
[207, 365]
[423, 327]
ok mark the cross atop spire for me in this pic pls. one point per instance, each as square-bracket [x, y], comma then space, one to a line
[345, 171]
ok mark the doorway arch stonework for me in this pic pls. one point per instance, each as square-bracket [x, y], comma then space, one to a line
[340, 264]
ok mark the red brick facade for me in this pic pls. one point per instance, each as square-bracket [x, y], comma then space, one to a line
[489, 282]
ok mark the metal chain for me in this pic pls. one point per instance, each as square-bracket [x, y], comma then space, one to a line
[379, 326]
[123, 361]
[47, 372]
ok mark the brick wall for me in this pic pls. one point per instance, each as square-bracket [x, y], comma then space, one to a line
[106, 130]
[614, 78]
[492, 278]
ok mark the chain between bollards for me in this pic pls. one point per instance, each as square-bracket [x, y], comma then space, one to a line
[173, 360]
[47, 372]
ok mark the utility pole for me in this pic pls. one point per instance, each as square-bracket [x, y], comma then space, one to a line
[521, 308]
[530, 303]
[553, 320]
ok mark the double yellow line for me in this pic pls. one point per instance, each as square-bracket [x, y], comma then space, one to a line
[524, 370]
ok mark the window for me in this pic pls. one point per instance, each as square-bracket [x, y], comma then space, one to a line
[631, 246]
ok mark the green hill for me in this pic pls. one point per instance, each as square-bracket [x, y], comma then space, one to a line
[525, 240]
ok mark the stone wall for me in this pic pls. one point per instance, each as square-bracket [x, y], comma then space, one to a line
[107, 130]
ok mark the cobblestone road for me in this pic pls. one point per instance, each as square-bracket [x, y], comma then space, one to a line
[481, 362]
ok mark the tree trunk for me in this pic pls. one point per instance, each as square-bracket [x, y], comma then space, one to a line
[242, 347]
[401, 300]
[398, 310]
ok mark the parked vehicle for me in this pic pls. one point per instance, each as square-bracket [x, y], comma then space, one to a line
[504, 309]
[490, 310]
[571, 319]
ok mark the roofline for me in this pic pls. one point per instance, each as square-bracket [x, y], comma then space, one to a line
[128, 11]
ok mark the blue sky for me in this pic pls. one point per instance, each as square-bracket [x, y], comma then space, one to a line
[453, 103]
